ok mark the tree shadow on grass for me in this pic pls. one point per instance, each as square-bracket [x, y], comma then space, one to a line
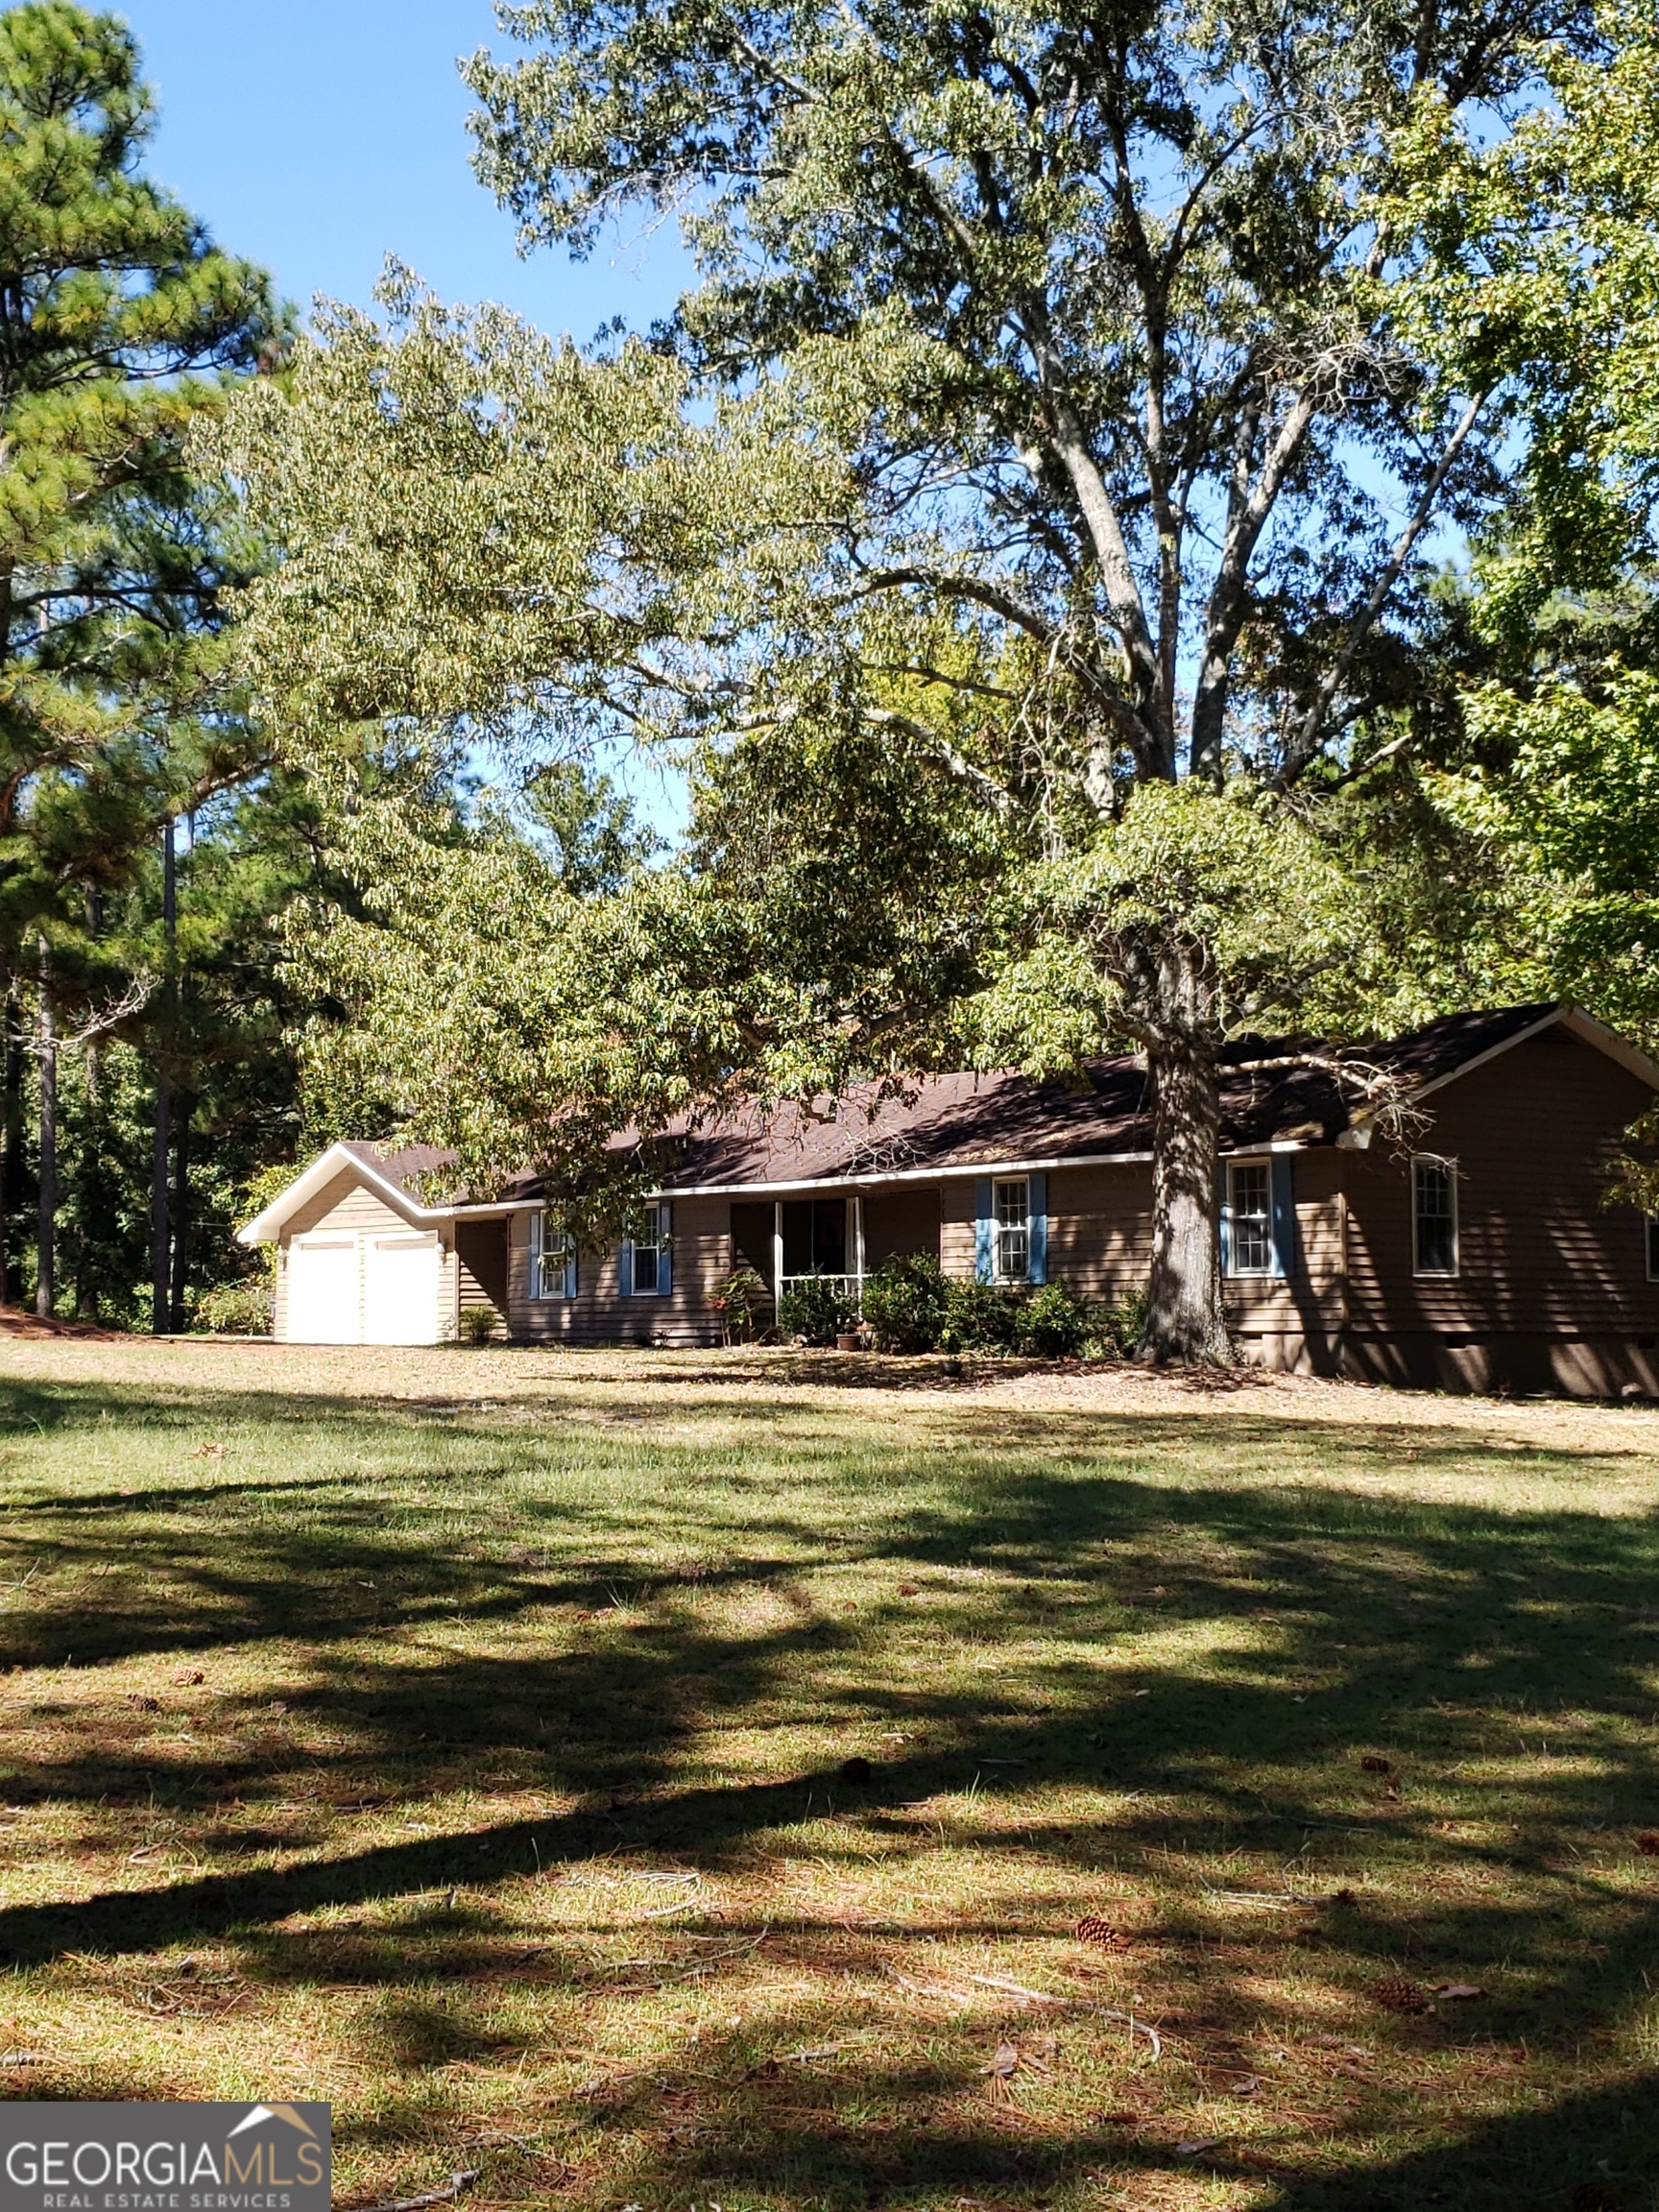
[1204, 1662]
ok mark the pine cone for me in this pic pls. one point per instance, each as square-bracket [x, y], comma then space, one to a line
[1092, 1928]
[1398, 1995]
[1648, 1843]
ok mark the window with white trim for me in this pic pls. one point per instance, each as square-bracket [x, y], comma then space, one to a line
[1011, 1228]
[647, 1245]
[1433, 1216]
[550, 1257]
[1249, 1218]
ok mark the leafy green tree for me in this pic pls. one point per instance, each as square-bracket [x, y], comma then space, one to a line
[1142, 332]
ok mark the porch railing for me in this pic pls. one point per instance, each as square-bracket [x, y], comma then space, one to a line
[851, 1287]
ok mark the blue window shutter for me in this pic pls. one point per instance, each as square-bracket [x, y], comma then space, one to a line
[984, 1230]
[1038, 1201]
[570, 1269]
[535, 1220]
[1226, 1219]
[664, 1251]
[625, 1268]
[1284, 1213]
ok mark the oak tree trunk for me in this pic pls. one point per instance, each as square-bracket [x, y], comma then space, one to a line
[1184, 1320]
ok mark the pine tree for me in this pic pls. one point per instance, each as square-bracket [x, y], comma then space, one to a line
[120, 323]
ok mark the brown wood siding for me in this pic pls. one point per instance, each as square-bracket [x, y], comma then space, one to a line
[1551, 1288]
[1100, 1228]
[956, 1227]
[599, 1315]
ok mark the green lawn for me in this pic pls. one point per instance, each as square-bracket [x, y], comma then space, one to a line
[460, 1737]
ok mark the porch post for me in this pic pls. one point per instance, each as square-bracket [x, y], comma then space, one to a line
[858, 1237]
[777, 1249]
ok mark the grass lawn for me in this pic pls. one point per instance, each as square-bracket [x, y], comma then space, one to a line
[664, 1782]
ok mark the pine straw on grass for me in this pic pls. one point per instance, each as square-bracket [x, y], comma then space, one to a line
[668, 1781]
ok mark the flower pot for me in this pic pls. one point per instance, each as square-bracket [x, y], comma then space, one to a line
[850, 1342]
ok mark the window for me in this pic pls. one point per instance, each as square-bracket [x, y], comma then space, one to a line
[1434, 1216]
[552, 1260]
[1249, 1218]
[1011, 1201]
[648, 1249]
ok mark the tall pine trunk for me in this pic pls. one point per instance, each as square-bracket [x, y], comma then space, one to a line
[11, 1165]
[1185, 1319]
[160, 1210]
[186, 1106]
[46, 1244]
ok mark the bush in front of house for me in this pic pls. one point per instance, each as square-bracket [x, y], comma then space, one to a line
[982, 1318]
[477, 1324]
[1054, 1322]
[814, 1311]
[739, 1302]
[906, 1300]
[1116, 1330]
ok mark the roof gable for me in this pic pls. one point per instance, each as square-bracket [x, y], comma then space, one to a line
[389, 1173]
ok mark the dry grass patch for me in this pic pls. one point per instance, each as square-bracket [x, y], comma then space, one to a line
[745, 1782]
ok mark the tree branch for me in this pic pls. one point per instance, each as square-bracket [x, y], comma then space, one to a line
[1308, 737]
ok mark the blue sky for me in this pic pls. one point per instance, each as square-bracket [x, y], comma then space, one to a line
[318, 135]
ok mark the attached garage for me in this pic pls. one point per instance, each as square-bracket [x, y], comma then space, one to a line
[359, 1261]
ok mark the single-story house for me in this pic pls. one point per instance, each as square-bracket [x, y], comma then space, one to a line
[1474, 1251]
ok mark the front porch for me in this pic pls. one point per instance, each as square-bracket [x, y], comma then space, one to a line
[839, 1237]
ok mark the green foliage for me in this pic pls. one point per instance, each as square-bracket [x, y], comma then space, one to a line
[477, 1325]
[1054, 1322]
[1571, 809]
[241, 1308]
[982, 1318]
[1118, 1326]
[121, 323]
[904, 1303]
[740, 1300]
[815, 1311]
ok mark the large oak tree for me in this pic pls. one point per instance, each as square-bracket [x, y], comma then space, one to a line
[1123, 313]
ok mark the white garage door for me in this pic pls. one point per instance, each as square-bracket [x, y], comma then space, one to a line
[400, 1290]
[323, 1291]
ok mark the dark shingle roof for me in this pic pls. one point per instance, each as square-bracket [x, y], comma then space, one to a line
[957, 1123]
[1272, 1090]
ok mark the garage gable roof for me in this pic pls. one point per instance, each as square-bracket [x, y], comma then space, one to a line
[390, 1172]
